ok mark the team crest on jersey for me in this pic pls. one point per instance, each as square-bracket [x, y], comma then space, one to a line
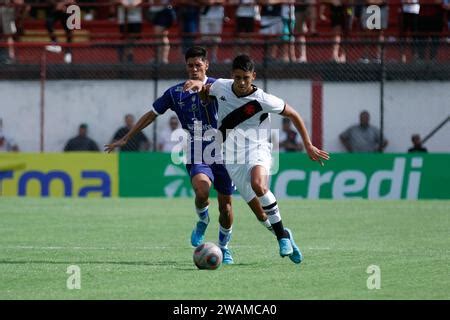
[179, 89]
[249, 109]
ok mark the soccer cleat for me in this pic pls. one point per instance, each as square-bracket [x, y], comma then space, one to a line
[198, 234]
[285, 247]
[53, 48]
[227, 257]
[296, 255]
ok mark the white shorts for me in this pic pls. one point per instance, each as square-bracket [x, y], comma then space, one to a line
[240, 174]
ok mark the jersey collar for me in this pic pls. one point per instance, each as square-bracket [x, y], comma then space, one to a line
[245, 95]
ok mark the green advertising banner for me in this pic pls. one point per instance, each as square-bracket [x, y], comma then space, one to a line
[372, 176]
[152, 174]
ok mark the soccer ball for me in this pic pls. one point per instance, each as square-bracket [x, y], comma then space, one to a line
[208, 256]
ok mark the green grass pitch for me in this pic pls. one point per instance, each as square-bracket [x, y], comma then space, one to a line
[139, 249]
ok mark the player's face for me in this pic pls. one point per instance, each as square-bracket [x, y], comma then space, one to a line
[242, 84]
[196, 68]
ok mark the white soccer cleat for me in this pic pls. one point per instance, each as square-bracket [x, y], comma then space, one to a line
[53, 48]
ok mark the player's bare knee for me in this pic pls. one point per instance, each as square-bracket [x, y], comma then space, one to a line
[259, 187]
[201, 195]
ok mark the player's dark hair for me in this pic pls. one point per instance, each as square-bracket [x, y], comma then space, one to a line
[195, 52]
[244, 63]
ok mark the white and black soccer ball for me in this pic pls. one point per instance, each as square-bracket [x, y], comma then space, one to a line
[208, 256]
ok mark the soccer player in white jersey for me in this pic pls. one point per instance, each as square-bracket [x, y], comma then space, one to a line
[244, 117]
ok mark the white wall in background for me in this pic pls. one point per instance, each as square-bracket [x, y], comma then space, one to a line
[410, 107]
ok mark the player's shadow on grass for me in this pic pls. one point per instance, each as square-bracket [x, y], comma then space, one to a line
[186, 266]
[234, 265]
[130, 263]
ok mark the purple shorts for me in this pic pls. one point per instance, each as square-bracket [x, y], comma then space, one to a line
[216, 173]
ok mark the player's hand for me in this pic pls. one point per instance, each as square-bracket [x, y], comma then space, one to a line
[194, 85]
[315, 154]
[119, 143]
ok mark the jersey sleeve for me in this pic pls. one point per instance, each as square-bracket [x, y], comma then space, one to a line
[163, 103]
[214, 89]
[271, 103]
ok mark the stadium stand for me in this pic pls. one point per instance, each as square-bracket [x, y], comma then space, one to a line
[100, 33]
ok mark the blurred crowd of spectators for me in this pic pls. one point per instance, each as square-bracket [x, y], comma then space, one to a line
[362, 137]
[289, 21]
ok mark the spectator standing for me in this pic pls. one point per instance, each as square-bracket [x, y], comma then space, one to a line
[338, 24]
[211, 24]
[288, 38]
[271, 25]
[431, 24]
[188, 13]
[162, 16]
[7, 31]
[410, 24]
[247, 13]
[305, 11]
[417, 144]
[130, 26]
[23, 10]
[137, 143]
[379, 33]
[81, 142]
[362, 137]
[56, 11]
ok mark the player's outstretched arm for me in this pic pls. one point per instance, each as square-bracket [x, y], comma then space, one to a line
[143, 122]
[314, 153]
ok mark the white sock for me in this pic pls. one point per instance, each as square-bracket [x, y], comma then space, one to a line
[224, 236]
[270, 206]
[203, 214]
[267, 225]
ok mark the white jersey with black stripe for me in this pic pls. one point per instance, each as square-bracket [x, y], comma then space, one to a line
[244, 118]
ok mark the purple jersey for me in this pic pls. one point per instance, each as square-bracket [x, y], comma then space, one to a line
[191, 111]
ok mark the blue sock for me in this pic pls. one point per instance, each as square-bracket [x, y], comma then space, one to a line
[224, 236]
[203, 214]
